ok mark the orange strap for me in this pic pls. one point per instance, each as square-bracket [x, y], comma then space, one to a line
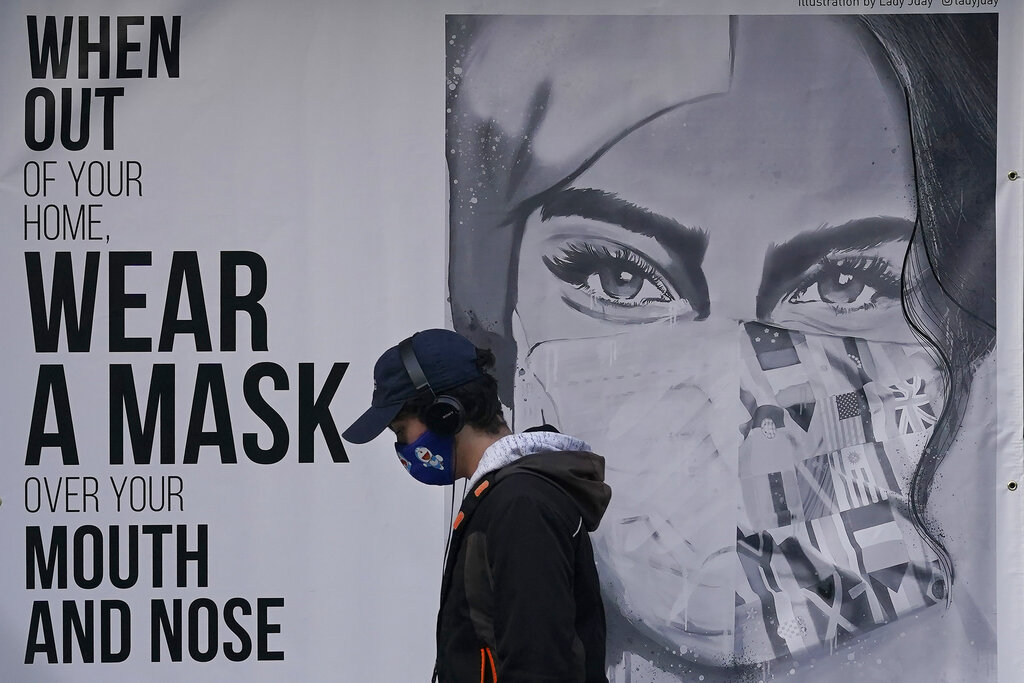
[483, 670]
[494, 672]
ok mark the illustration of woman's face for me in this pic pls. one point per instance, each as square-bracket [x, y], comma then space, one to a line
[644, 288]
[767, 192]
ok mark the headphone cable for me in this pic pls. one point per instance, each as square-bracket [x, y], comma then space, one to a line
[451, 521]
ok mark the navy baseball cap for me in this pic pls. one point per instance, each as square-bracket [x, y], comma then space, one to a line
[447, 358]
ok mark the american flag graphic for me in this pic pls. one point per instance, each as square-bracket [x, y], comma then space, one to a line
[913, 410]
[843, 420]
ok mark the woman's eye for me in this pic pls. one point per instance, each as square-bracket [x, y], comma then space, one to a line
[623, 283]
[848, 284]
[613, 274]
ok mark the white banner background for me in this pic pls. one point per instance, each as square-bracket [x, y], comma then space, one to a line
[312, 135]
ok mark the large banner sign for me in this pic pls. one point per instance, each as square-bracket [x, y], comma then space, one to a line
[769, 266]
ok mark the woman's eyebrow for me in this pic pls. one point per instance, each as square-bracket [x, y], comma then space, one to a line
[682, 241]
[685, 245]
[786, 262]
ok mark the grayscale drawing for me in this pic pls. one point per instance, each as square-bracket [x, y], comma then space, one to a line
[750, 260]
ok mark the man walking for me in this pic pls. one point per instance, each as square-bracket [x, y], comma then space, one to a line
[520, 597]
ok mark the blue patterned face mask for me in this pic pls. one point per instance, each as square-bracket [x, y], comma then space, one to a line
[429, 459]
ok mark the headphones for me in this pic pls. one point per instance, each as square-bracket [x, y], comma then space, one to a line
[445, 416]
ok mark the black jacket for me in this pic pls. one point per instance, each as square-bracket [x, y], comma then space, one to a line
[520, 598]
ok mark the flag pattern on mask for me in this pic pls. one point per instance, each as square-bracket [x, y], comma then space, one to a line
[824, 547]
[776, 370]
[830, 579]
[773, 346]
[843, 480]
[845, 421]
[911, 407]
[776, 357]
[815, 487]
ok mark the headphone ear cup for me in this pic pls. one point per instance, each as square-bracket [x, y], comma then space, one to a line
[445, 416]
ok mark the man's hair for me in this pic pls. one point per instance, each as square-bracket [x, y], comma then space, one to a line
[479, 398]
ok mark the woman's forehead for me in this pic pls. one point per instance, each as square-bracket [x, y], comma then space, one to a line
[812, 131]
[570, 84]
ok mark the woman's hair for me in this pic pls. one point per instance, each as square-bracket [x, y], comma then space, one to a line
[479, 398]
[947, 65]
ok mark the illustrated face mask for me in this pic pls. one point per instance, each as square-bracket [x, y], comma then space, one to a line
[429, 458]
[759, 479]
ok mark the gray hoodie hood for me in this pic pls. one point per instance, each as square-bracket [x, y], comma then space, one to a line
[561, 459]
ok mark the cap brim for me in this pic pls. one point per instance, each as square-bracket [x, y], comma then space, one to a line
[371, 423]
